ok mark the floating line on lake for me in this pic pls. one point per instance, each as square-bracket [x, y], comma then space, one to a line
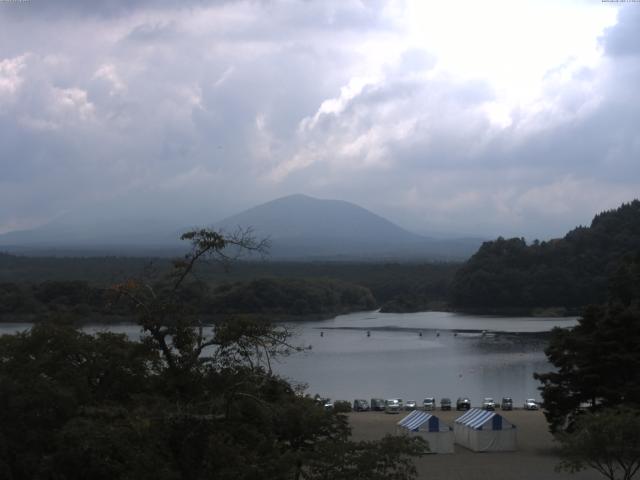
[459, 331]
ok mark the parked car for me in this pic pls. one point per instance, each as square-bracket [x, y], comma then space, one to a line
[377, 404]
[445, 404]
[360, 405]
[507, 403]
[401, 402]
[463, 403]
[410, 405]
[429, 403]
[328, 404]
[530, 404]
[488, 404]
[392, 405]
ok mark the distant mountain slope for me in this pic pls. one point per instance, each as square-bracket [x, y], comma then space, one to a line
[300, 228]
[88, 238]
[570, 272]
[304, 227]
[300, 216]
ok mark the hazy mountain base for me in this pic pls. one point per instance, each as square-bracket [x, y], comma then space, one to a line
[300, 228]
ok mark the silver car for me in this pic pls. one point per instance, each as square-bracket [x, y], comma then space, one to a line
[530, 404]
[392, 405]
[410, 405]
[488, 404]
[429, 403]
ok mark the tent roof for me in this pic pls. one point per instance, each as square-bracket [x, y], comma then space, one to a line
[477, 418]
[417, 419]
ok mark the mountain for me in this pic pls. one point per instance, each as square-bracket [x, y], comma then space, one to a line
[568, 272]
[87, 237]
[300, 227]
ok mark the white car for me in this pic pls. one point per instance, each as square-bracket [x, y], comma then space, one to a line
[530, 404]
[410, 405]
[488, 404]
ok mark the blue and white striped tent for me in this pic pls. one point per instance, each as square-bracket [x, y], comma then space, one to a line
[437, 434]
[485, 431]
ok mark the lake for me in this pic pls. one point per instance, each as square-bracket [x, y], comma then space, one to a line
[411, 356]
[415, 355]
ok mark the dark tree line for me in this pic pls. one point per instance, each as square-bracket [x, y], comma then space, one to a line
[395, 286]
[279, 289]
[292, 297]
[570, 272]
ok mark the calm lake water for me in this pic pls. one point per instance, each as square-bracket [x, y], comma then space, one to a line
[411, 356]
[451, 358]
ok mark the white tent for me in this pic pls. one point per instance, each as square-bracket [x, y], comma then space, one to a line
[484, 431]
[429, 427]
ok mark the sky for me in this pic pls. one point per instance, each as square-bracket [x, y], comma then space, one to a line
[480, 117]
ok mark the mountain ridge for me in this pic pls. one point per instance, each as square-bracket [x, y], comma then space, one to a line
[302, 226]
[299, 226]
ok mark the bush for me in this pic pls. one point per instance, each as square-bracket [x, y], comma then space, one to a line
[341, 406]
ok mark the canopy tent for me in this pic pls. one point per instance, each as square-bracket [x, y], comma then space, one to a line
[437, 434]
[485, 431]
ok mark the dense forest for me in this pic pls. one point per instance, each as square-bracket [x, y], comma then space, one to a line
[566, 273]
[277, 298]
[37, 285]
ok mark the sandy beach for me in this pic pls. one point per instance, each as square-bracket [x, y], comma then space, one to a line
[533, 460]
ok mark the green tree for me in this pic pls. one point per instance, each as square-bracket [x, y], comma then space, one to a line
[607, 441]
[597, 362]
[54, 374]
[568, 272]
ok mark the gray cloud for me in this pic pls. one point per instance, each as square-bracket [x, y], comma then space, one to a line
[98, 8]
[624, 38]
[198, 111]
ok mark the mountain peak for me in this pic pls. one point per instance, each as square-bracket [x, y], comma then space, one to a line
[304, 216]
[301, 226]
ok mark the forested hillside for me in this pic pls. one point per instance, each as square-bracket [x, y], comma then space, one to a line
[570, 272]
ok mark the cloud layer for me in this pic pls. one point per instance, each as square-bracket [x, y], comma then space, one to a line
[195, 110]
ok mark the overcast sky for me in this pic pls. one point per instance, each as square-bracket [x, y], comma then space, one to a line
[481, 117]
